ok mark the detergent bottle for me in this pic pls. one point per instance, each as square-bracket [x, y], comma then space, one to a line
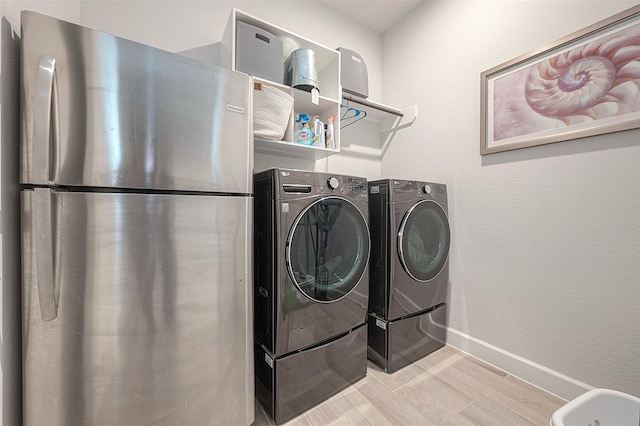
[302, 130]
[330, 137]
[317, 133]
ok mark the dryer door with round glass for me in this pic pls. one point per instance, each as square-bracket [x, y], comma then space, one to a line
[423, 240]
[328, 249]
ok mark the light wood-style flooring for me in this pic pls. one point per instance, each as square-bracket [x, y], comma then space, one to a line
[447, 387]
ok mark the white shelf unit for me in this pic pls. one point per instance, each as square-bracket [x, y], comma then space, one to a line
[328, 62]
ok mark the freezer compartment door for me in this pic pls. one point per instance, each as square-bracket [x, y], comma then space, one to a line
[143, 314]
[102, 111]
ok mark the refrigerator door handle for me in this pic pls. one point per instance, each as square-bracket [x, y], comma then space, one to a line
[43, 253]
[43, 118]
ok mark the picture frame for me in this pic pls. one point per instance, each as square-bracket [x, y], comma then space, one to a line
[585, 84]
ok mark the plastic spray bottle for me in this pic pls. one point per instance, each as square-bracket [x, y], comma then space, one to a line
[330, 138]
[302, 130]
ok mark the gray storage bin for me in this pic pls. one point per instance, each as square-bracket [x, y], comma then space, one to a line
[353, 73]
[258, 52]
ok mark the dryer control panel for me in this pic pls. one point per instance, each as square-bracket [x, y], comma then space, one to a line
[349, 186]
[358, 185]
[296, 183]
[406, 190]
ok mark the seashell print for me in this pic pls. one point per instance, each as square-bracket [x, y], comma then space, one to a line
[555, 90]
[594, 81]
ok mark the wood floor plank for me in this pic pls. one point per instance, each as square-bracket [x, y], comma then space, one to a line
[439, 392]
[391, 381]
[391, 406]
[442, 357]
[366, 379]
[483, 376]
[447, 387]
[486, 411]
[449, 357]
[533, 403]
[324, 414]
[342, 422]
[477, 361]
[433, 409]
[358, 411]
[477, 381]
[546, 399]
[468, 385]
[532, 397]
[301, 420]
[517, 396]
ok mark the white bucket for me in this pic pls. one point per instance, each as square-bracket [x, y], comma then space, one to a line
[602, 407]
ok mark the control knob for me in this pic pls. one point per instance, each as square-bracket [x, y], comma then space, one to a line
[426, 189]
[333, 182]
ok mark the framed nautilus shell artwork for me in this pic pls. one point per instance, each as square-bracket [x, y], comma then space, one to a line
[585, 84]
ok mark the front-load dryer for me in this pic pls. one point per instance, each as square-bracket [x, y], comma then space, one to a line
[409, 272]
[311, 284]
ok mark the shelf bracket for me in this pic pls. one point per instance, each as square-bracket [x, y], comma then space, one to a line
[389, 129]
[407, 118]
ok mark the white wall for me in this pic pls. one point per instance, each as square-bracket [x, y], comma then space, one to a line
[544, 261]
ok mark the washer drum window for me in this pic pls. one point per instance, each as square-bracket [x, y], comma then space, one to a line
[423, 240]
[328, 249]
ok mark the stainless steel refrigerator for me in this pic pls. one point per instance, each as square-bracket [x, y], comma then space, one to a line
[136, 168]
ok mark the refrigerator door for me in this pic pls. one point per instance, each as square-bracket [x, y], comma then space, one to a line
[102, 111]
[137, 309]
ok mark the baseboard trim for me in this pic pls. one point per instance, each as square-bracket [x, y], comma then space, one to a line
[538, 375]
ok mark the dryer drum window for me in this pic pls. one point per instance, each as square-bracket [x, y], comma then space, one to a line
[423, 240]
[328, 249]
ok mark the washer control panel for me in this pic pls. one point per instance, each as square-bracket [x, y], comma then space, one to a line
[409, 190]
[358, 185]
[299, 183]
[342, 185]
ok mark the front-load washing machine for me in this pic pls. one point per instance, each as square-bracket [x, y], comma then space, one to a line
[311, 284]
[409, 272]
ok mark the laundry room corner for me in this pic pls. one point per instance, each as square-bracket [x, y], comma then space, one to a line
[542, 237]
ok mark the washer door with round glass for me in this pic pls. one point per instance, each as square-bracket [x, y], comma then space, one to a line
[328, 249]
[423, 240]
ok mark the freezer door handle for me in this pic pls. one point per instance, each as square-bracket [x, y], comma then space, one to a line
[43, 253]
[44, 120]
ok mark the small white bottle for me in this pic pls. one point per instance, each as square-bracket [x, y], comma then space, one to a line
[330, 138]
[317, 133]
